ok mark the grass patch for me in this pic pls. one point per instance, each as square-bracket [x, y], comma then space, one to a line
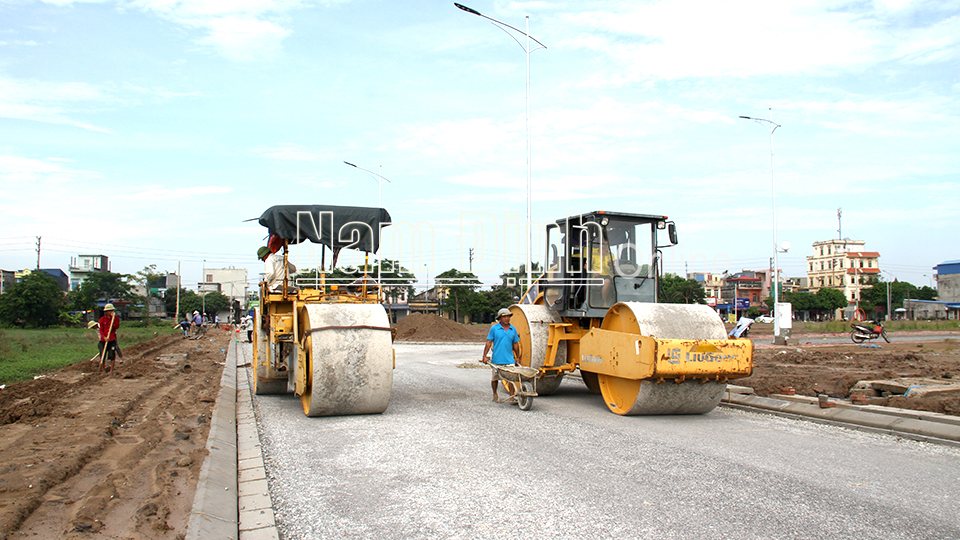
[26, 353]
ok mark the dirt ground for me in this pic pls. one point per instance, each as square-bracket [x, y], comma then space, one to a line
[808, 365]
[90, 455]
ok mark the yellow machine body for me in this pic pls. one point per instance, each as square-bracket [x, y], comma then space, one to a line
[635, 356]
[335, 335]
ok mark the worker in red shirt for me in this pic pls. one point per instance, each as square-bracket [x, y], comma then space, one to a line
[107, 327]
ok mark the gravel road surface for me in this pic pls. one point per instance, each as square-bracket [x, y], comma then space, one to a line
[444, 461]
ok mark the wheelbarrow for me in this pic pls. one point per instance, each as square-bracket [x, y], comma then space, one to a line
[523, 381]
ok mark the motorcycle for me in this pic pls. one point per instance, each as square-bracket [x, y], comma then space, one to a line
[867, 330]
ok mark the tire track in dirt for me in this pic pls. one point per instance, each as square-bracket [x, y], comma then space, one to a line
[111, 456]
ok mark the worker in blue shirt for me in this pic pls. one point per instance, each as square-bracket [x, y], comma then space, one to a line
[505, 342]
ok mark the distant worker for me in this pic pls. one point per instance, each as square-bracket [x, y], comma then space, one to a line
[107, 330]
[196, 322]
[184, 325]
[273, 268]
[505, 342]
[248, 326]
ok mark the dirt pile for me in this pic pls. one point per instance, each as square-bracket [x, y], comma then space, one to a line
[430, 327]
[835, 369]
[111, 455]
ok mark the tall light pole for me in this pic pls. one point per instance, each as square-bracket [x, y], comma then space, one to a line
[526, 49]
[776, 247]
[380, 180]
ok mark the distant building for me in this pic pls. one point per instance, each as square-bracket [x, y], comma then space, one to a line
[231, 282]
[84, 265]
[711, 283]
[7, 279]
[745, 284]
[842, 264]
[948, 281]
[61, 277]
[63, 282]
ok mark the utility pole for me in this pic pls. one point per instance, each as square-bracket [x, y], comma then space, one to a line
[471, 260]
[839, 224]
[38, 253]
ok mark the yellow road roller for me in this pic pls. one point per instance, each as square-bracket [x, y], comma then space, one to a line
[329, 343]
[595, 310]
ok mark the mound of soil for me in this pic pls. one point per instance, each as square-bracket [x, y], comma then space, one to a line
[833, 370]
[86, 454]
[430, 327]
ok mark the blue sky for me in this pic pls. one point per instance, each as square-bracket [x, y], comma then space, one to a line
[149, 130]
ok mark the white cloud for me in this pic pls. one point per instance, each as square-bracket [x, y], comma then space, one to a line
[244, 39]
[290, 152]
[696, 38]
[19, 172]
[239, 30]
[45, 101]
[155, 193]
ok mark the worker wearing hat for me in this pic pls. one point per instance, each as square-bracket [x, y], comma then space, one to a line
[273, 266]
[107, 329]
[505, 342]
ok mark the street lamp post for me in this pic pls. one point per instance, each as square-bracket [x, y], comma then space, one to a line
[776, 248]
[380, 180]
[526, 49]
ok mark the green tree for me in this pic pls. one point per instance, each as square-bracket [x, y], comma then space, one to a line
[679, 290]
[189, 302]
[35, 301]
[831, 299]
[515, 279]
[397, 280]
[458, 287]
[214, 302]
[142, 280]
[105, 286]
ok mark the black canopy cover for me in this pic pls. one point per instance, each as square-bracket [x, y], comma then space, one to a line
[353, 227]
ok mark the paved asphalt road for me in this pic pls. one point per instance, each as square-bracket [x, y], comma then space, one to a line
[446, 462]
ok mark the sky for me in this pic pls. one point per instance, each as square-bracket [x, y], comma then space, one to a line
[150, 131]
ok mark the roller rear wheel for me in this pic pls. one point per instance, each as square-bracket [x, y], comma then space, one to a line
[532, 322]
[591, 381]
[261, 359]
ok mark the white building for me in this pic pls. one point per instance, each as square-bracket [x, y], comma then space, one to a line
[842, 264]
[231, 282]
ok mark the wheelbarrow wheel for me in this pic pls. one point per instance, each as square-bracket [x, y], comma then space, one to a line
[523, 401]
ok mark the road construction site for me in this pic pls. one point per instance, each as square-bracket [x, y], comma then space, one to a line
[443, 460]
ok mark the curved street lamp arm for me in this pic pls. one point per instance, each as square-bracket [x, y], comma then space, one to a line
[368, 170]
[501, 23]
[764, 120]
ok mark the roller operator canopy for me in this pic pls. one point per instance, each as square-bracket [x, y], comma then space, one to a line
[353, 227]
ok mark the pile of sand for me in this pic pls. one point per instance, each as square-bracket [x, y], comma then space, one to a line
[430, 327]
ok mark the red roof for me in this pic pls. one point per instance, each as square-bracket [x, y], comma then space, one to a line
[862, 254]
[863, 270]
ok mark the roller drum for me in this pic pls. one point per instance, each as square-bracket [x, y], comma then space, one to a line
[532, 322]
[665, 321]
[350, 359]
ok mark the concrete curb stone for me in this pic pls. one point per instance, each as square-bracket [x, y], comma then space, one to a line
[214, 513]
[933, 431]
